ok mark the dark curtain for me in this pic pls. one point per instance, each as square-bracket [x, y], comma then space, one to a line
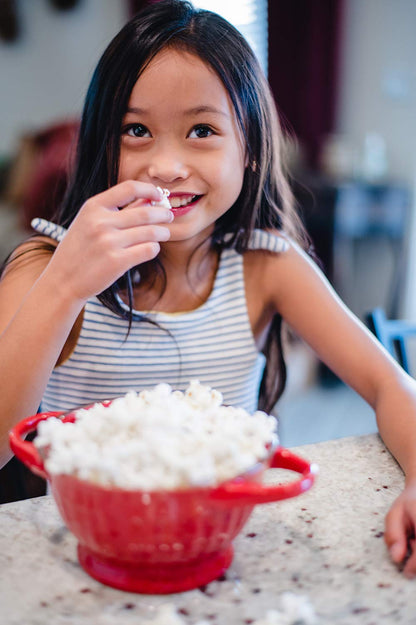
[304, 46]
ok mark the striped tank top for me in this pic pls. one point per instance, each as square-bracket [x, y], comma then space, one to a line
[213, 343]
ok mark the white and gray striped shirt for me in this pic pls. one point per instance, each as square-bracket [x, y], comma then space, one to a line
[213, 343]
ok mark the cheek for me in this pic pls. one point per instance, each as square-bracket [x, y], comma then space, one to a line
[229, 174]
[230, 158]
[122, 173]
[128, 166]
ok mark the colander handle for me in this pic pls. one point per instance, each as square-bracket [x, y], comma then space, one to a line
[25, 450]
[249, 493]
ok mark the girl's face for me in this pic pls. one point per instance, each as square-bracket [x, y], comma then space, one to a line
[180, 132]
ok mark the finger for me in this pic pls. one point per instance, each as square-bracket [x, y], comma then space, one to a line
[140, 253]
[125, 193]
[135, 216]
[395, 535]
[144, 234]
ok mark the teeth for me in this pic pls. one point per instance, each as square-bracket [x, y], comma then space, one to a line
[176, 202]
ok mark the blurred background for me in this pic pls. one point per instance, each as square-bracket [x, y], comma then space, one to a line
[344, 80]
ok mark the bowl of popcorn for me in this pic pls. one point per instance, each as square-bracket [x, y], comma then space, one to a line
[156, 485]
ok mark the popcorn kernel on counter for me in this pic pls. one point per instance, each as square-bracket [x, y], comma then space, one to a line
[158, 439]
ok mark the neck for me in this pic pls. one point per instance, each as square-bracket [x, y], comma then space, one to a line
[190, 272]
[183, 257]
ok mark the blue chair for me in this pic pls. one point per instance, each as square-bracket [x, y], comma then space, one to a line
[393, 334]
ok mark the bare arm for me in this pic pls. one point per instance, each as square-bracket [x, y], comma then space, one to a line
[36, 318]
[310, 306]
[41, 297]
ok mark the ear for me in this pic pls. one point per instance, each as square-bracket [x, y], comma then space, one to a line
[252, 165]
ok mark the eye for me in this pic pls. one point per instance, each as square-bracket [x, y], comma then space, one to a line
[201, 131]
[136, 130]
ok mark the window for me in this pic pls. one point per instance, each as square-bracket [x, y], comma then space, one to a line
[249, 16]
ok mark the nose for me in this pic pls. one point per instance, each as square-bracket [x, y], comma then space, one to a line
[167, 164]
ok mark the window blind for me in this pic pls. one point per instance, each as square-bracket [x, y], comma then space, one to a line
[248, 16]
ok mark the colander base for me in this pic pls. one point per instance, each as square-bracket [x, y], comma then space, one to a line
[155, 579]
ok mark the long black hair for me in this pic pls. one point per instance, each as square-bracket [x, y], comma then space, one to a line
[265, 200]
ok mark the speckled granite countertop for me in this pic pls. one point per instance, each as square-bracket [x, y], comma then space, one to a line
[326, 544]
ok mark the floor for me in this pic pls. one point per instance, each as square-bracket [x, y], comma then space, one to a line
[316, 407]
[308, 412]
[318, 413]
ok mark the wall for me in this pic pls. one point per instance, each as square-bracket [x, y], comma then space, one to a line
[44, 74]
[378, 78]
[378, 94]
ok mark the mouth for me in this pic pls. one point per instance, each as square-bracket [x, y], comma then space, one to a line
[182, 204]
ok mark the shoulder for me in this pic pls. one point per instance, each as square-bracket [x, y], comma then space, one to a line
[281, 275]
[269, 249]
[23, 267]
[268, 240]
[31, 256]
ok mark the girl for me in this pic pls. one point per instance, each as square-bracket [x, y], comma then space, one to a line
[123, 292]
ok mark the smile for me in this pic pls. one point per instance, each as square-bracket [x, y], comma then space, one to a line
[183, 204]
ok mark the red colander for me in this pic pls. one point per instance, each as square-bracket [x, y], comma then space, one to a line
[159, 541]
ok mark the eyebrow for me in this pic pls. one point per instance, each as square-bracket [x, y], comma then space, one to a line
[196, 110]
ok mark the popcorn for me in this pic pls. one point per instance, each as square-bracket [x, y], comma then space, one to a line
[164, 201]
[166, 615]
[158, 439]
[294, 610]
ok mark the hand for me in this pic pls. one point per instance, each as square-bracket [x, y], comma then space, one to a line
[113, 231]
[401, 530]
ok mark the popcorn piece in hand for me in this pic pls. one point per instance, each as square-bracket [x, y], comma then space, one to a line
[164, 201]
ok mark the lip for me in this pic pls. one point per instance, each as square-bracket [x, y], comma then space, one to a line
[183, 210]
